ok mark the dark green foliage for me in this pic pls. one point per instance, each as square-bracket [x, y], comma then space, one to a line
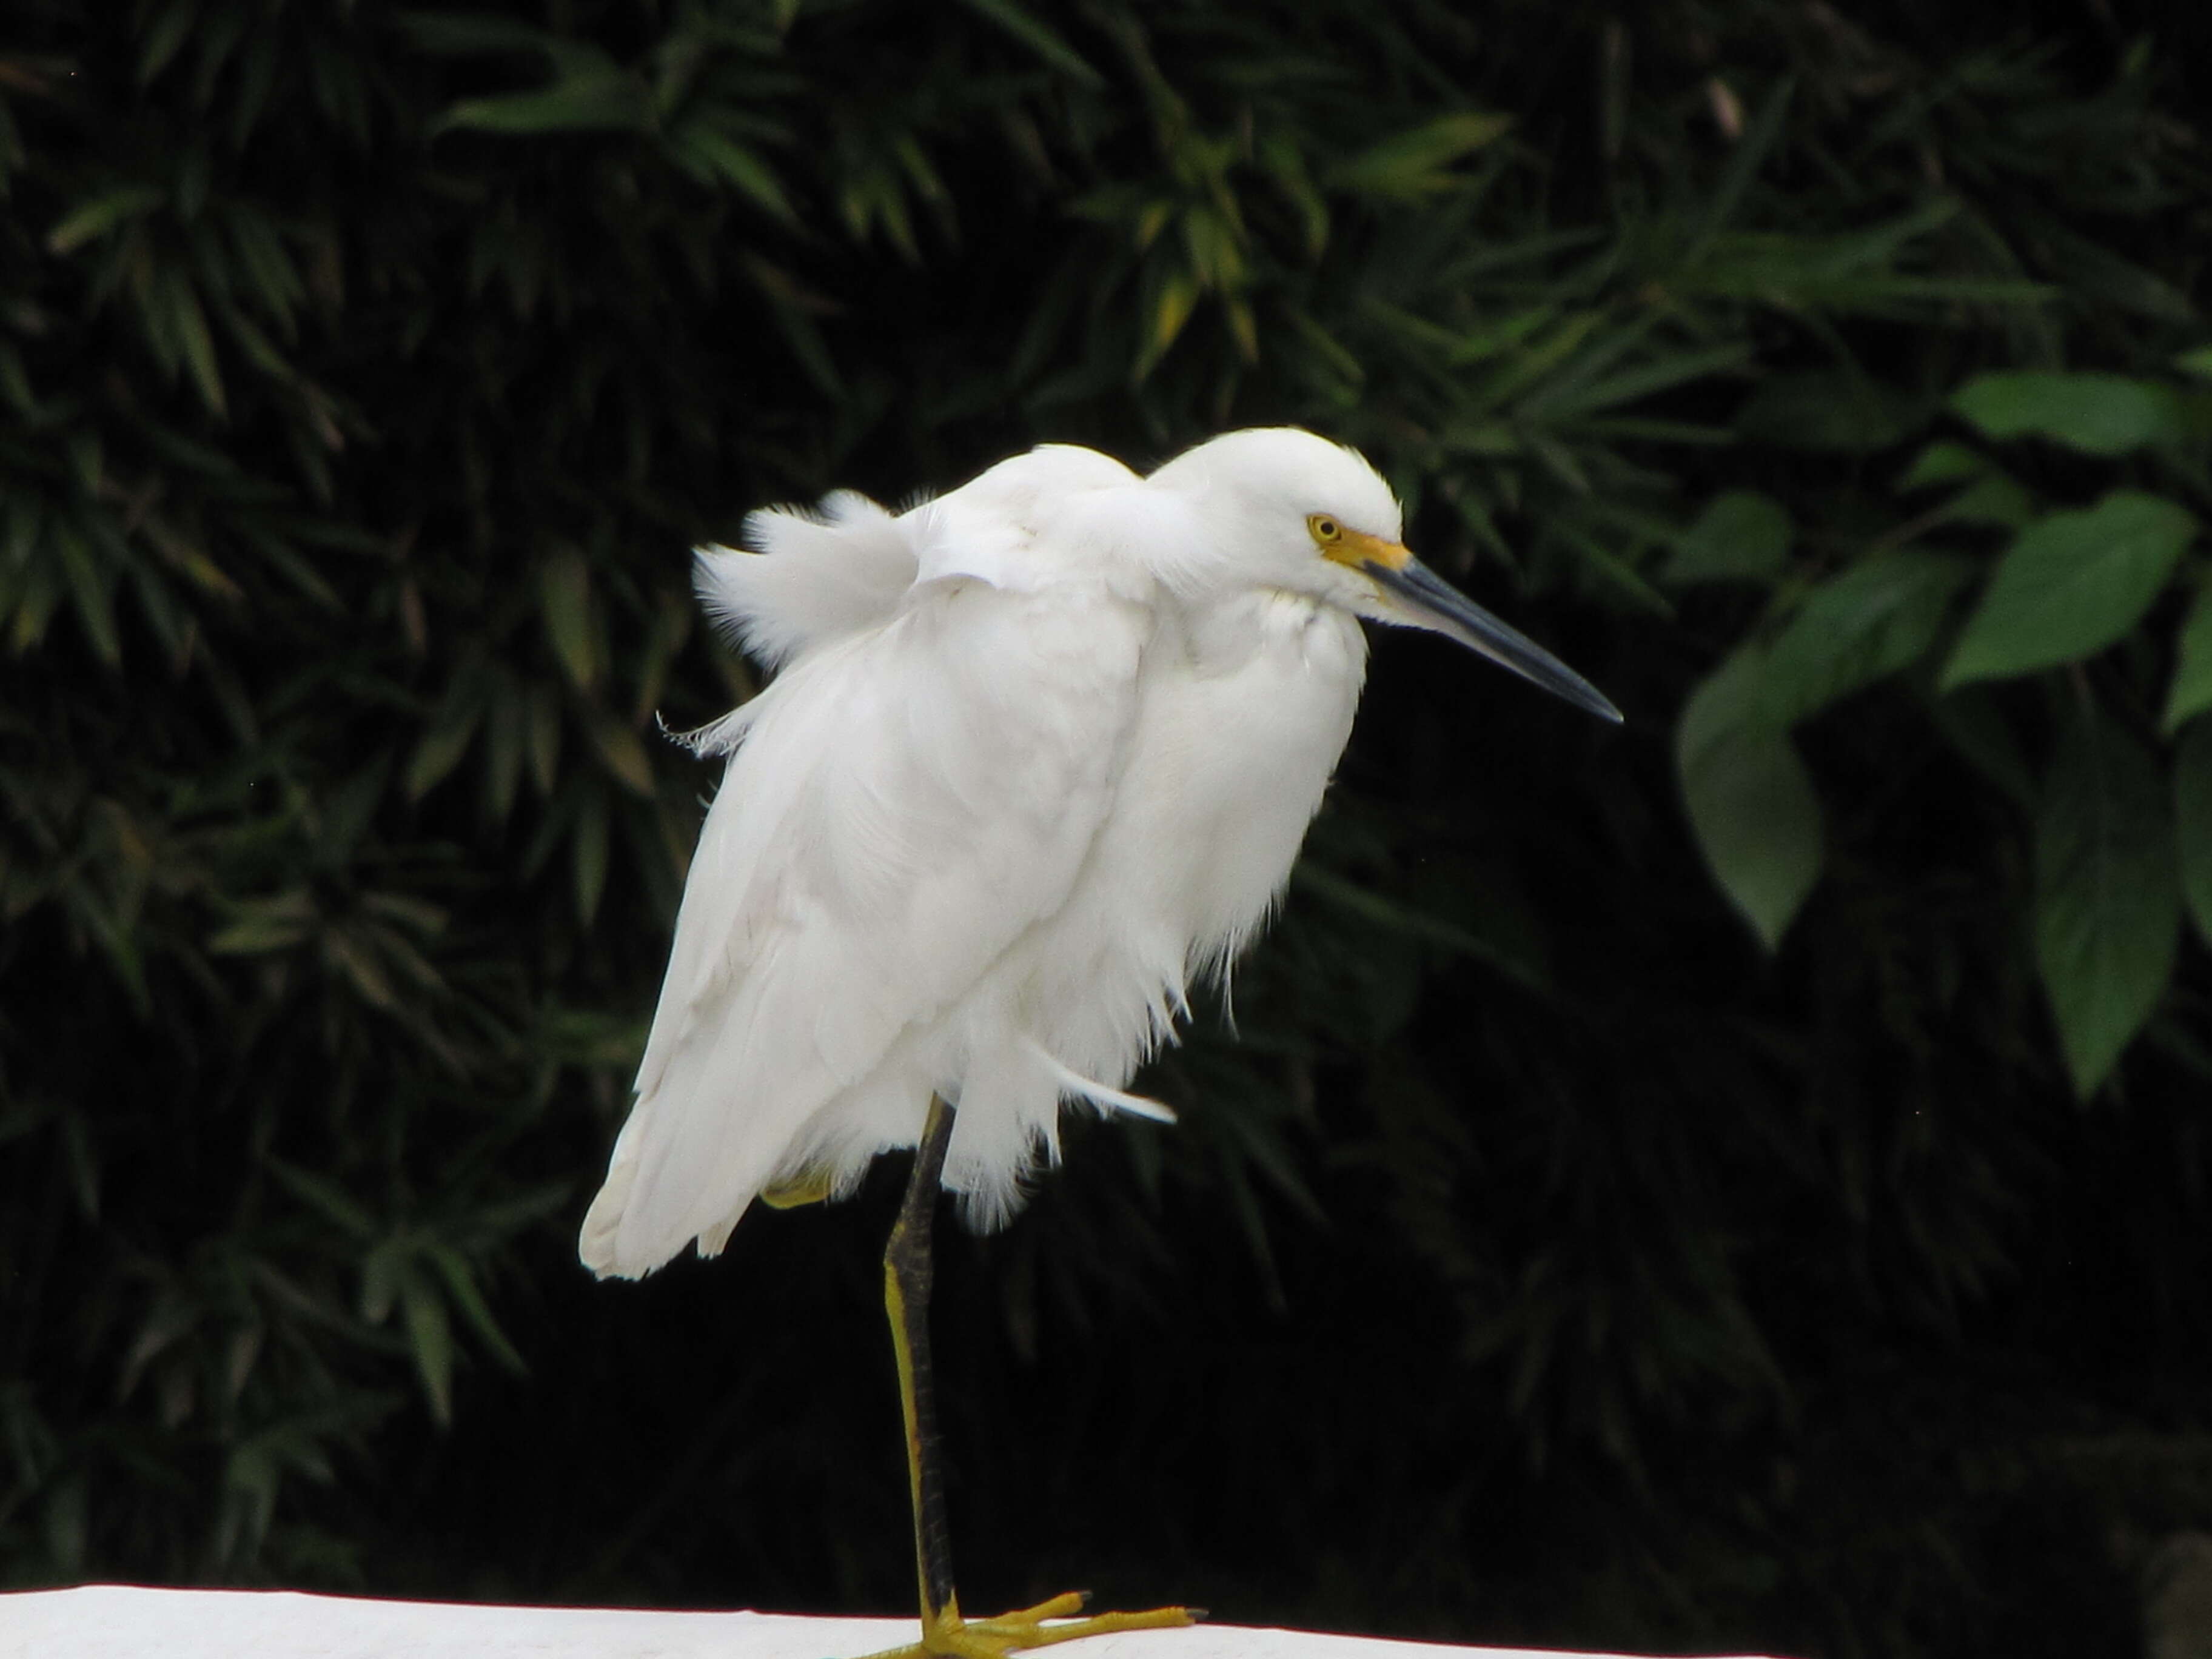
[1548, 1256]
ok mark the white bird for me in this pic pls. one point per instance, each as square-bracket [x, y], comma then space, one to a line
[1039, 755]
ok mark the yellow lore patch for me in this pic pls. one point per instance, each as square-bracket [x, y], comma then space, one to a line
[1354, 548]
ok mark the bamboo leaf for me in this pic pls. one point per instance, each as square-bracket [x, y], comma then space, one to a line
[431, 1338]
[1412, 165]
[544, 737]
[192, 331]
[506, 742]
[159, 43]
[88, 585]
[1387, 912]
[448, 736]
[1171, 308]
[101, 215]
[715, 155]
[263, 924]
[787, 301]
[619, 750]
[323, 1195]
[564, 601]
[1039, 37]
[461, 1286]
[588, 853]
[1633, 385]
[589, 92]
[1749, 156]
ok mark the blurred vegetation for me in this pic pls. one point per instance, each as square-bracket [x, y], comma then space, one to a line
[1739, 1183]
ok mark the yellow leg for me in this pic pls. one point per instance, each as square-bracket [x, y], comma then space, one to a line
[945, 1633]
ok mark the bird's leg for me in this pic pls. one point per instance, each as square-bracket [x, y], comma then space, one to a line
[907, 1276]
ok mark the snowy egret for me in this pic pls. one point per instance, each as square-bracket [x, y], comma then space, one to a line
[1039, 752]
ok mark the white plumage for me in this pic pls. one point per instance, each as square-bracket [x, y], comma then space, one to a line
[1040, 751]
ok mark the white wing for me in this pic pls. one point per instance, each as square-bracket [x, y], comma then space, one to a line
[810, 578]
[909, 801]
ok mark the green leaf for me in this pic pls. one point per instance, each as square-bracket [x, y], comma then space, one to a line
[1943, 462]
[506, 740]
[190, 325]
[1750, 156]
[461, 1286]
[545, 724]
[430, 1335]
[83, 1160]
[15, 380]
[88, 587]
[788, 300]
[1409, 166]
[1877, 618]
[1280, 154]
[714, 155]
[591, 93]
[448, 739]
[1741, 537]
[1040, 38]
[2197, 361]
[1387, 912]
[101, 215]
[2072, 584]
[324, 1196]
[461, 34]
[2107, 908]
[564, 600]
[1995, 498]
[263, 924]
[2192, 822]
[2191, 694]
[620, 751]
[589, 852]
[1566, 399]
[2103, 414]
[1750, 799]
[1828, 410]
[169, 32]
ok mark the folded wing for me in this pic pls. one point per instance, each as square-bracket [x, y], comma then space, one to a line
[911, 795]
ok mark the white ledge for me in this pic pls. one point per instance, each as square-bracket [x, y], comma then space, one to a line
[116, 1621]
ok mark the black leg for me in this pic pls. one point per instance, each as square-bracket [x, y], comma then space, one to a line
[907, 1275]
[945, 1633]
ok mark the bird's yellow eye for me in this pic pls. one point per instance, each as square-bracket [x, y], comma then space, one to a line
[1324, 529]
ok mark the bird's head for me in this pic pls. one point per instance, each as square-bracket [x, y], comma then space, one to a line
[1286, 508]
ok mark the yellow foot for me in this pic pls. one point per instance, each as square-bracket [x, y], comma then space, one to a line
[955, 1638]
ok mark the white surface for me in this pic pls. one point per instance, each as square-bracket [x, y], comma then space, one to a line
[113, 1621]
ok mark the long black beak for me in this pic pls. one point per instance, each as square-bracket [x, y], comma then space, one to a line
[1442, 608]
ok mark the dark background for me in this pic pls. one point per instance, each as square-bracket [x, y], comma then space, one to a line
[1545, 1259]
